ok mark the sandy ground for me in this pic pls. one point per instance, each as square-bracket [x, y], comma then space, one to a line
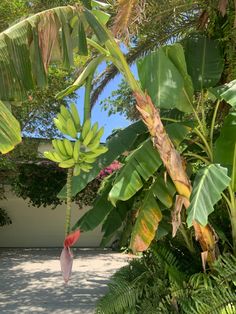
[31, 282]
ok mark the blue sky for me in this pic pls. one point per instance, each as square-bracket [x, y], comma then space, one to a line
[101, 116]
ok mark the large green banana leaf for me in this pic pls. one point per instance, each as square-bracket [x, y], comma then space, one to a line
[204, 60]
[163, 75]
[208, 185]
[114, 221]
[140, 165]
[224, 150]
[10, 134]
[145, 227]
[121, 142]
[226, 92]
[149, 214]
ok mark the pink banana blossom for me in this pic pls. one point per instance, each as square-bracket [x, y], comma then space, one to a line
[66, 258]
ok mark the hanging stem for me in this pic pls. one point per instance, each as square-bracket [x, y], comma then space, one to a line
[87, 104]
[208, 149]
[233, 215]
[213, 123]
[68, 200]
[198, 157]
[187, 238]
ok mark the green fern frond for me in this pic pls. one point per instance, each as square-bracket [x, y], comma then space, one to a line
[121, 298]
[226, 269]
[221, 301]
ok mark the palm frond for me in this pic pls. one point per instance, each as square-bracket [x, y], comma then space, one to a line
[126, 10]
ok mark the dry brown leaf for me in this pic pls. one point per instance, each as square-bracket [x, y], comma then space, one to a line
[222, 6]
[204, 257]
[48, 31]
[203, 20]
[125, 13]
[176, 214]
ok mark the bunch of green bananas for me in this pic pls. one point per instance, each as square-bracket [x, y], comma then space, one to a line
[68, 121]
[81, 153]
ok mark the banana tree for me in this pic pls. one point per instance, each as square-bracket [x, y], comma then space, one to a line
[28, 47]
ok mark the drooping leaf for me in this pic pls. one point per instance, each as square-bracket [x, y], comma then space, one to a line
[204, 61]
[18, 51]
[103, 17]
[10, 133]
[93, 22]
[114, 221]
[224, 150]
[163, 75]
[67, 47]
[82, 46]
[226, 92]
[27, 47]
[95, 4]
[163, 191]
[89, 70]
[140, 165]
[208, 185]
[145, 227]
[178, 131]
[121, 142]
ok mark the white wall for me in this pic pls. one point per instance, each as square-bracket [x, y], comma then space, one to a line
[40, 227]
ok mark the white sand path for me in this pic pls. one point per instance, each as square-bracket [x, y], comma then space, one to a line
[31, 282]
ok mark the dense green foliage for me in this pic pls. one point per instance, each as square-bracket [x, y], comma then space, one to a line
[162, 281]
[39, 184]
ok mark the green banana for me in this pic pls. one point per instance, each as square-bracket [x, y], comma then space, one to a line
[76, 150]
[88, 138]
[68, 146]
[101, 150]
[67, 163]
[99, 134]
[60, 148]
[65, 113]
[61, 120]
[91, 154]
[85, 167]
[70, 127]
[59, 125]
[94, 128]
[86, 128]
[77, 170]
[75, 116]
[52, 156]
[89, 160]
[94, 144]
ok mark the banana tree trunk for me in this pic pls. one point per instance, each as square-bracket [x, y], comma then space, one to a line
[175, 167]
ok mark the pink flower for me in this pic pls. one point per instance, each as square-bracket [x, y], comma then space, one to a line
[108, 170]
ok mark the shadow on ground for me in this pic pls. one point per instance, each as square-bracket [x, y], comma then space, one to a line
[31, 280]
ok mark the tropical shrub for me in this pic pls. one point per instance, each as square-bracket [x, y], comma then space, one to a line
[163, 281]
